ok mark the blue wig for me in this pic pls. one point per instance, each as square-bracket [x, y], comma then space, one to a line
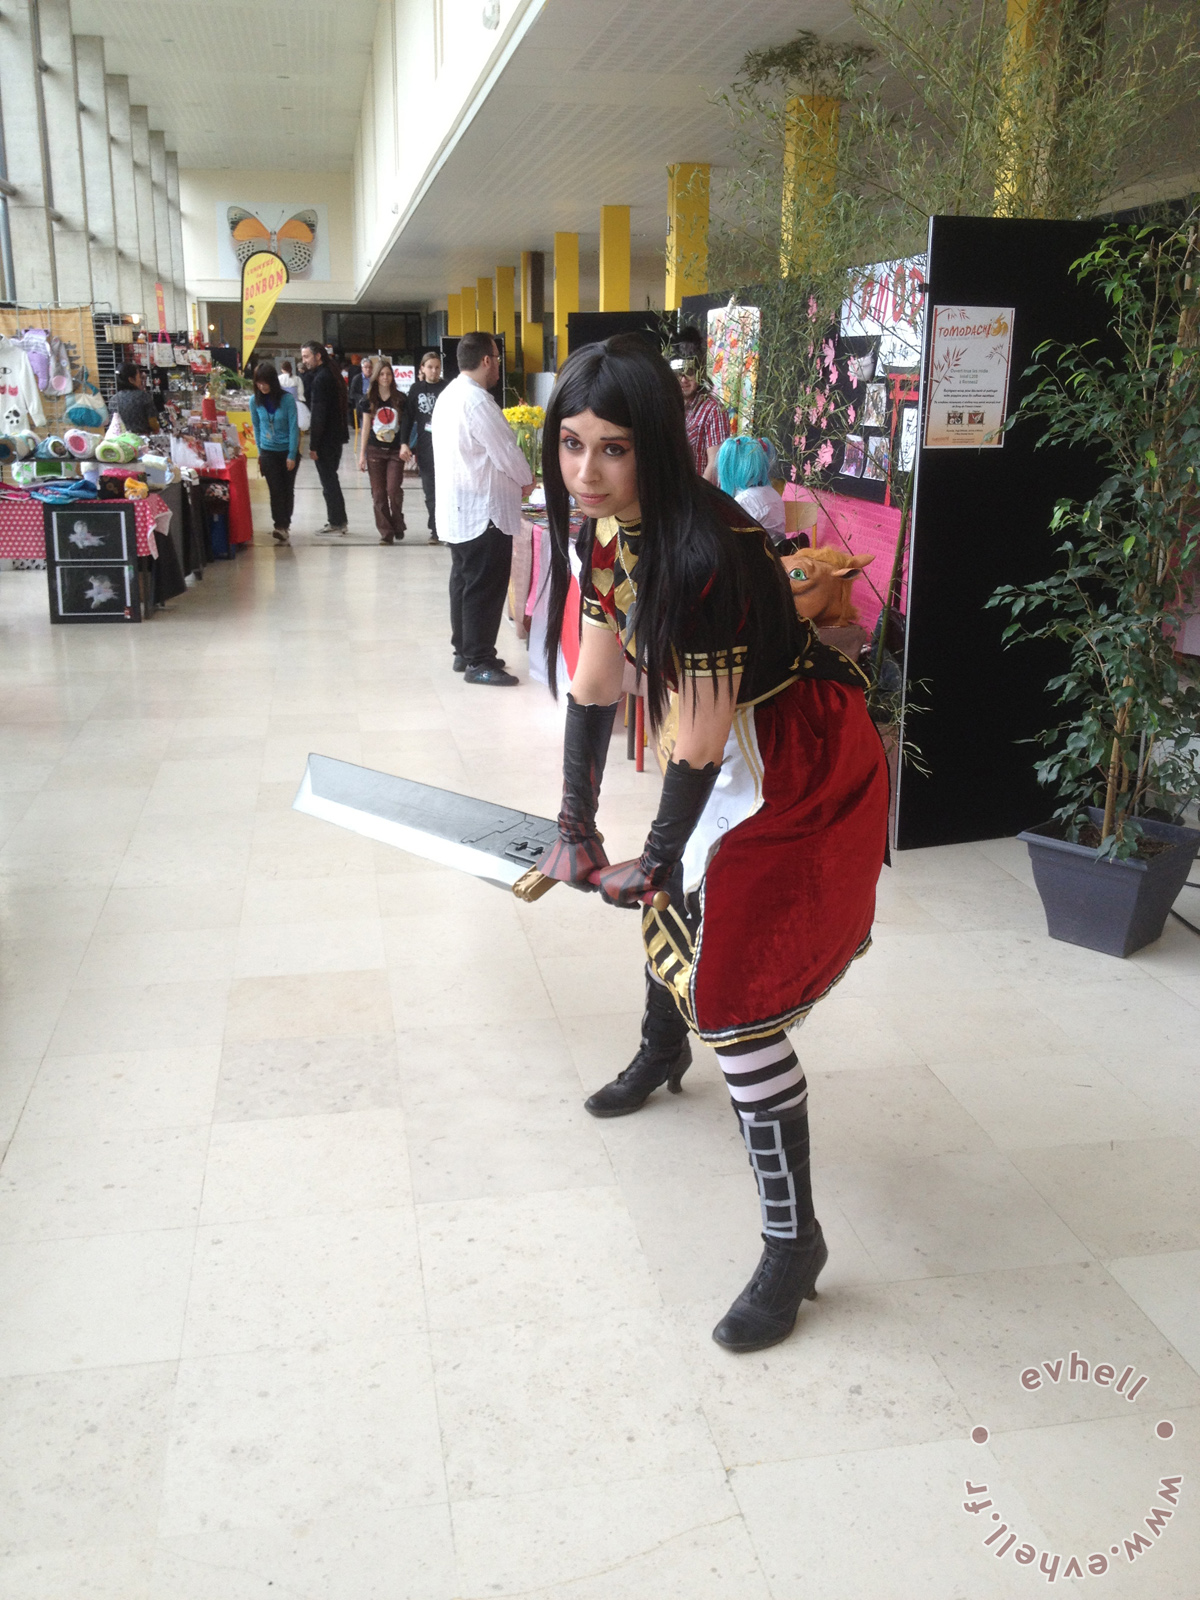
[741, 464]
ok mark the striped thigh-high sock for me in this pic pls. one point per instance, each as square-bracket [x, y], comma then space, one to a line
[767, 1087]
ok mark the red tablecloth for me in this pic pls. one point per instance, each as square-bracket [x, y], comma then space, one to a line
[241, 518]
[22, 528]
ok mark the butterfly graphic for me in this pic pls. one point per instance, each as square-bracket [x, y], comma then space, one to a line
[82, 537]
[99, 591]
[294, 242]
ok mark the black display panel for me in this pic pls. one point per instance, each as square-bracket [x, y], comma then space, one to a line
[982, 518]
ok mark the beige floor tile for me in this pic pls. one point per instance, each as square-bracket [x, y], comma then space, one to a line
[84, 1571]
[1165, 1287]
[950, 1214]
[48, 964]
[81, 1458]
[1122, 1198]
[80, 1096]
[998, 1024]
[306, 1077]
[1050, 1100]
[119, 960]
[327, 945]
[110, 1301]
[131, 1016]
[888, 1113]
[843, 1034]
[531, 1406]
[855, 1371]
[179, 908]
[505, 986]
[403, 1553]
[677, 1538]
[306, 1166]
[304, 1282]
[986, 1329]
[17, 1077]
[49, 913]
[1095, 1482]
[887, 1524]
[279, 1438]
[314, 1005]
[90, 1183]
[1133, 1016]
[569, 1253]
[284, 900]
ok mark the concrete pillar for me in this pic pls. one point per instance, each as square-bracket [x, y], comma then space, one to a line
[485, 313]
[125, 218]
[60, 100]
[97, 169]
[506, 311]
[566, 288]
[162, 224]
[687, 231]
[139, 131]
[175, 224]
[614, 258]
[27, 171]
[810, 142]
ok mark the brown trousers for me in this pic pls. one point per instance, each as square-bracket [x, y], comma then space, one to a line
[386, 472]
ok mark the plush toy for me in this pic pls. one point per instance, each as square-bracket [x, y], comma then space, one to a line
[52, 448]
[80, 443]
[821, 580]
[136, 489]
[117, 449]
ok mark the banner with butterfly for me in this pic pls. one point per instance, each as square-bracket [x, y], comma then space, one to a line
[298, 235]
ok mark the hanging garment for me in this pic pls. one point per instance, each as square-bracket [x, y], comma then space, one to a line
[19, 397]
[62, 380]
[36, 344]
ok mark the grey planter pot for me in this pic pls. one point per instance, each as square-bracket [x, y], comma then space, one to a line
[1112, 906]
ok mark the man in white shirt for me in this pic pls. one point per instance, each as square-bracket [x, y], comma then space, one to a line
[481, 477]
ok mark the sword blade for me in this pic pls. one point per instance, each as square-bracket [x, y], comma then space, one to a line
[488, 841]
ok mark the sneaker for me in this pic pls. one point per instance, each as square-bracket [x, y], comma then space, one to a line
[460, 663]
[491, 675]
[332, 529]
[280, 536]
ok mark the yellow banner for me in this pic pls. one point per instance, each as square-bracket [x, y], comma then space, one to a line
[263, 276]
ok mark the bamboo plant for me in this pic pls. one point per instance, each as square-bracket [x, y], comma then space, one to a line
[1131, 554]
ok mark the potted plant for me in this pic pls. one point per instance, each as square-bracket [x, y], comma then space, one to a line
[1125, 759]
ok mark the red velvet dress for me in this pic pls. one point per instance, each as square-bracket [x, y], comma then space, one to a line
[776, 892]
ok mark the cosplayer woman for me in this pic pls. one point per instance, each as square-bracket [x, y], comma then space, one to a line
[771, 827]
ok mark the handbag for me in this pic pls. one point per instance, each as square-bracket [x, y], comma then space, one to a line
[87, 412]
[303, 416]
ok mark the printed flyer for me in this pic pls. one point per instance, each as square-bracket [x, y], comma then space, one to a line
[970, 354]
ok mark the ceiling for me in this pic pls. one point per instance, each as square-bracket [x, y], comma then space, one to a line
[273, 85]
[597, 99]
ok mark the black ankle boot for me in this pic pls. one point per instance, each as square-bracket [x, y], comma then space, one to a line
[765, 1311]
[664, 1055]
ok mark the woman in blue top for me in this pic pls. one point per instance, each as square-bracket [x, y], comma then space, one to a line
[277, 435]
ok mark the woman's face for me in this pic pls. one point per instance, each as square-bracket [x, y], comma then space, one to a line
[599, 466]
[263, 386]
[384, 377]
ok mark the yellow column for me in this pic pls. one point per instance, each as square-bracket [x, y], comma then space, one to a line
[470, 310]
[614, 258]
[809, 176]
[687, 231]
[454, 315]
[533, 353]
[1026, 80]
[506, 310]
[566, 286]
[487, 316]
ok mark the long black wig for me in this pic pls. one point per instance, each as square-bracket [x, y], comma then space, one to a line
[691, 593]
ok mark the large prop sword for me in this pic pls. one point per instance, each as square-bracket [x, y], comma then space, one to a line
[486, 840]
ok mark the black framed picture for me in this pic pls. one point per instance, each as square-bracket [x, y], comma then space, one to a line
[96, 592]
[87, 533]
[92, 563]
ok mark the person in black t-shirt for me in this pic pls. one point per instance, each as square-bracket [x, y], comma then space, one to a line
[422, 398]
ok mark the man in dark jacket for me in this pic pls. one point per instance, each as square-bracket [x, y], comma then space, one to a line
[328, 430]
[422, 398]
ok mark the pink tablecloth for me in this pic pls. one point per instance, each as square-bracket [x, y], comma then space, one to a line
[22, 529]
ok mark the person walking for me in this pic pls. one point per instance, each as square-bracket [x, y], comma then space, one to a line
[483, 477]
[277, 435]
[418, 444]
[328, 431]
[379, 452]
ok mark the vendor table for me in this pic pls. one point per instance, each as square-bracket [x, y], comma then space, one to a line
[23, 535]
[241, 518]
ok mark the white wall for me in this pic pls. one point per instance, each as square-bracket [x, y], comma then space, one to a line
[200, 191]
[429, 61]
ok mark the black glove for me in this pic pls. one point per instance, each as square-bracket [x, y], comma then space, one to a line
[685, 793]
[577, 850]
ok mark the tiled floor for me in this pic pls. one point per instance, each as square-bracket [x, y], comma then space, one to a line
[319, 1284]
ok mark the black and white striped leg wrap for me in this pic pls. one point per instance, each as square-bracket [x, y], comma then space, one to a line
[766, 1084]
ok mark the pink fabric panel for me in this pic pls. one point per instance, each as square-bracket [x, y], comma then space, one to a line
[863, 528]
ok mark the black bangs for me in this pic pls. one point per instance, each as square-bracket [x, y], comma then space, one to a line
[689, 589]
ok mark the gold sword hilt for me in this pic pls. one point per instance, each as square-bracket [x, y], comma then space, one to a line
[532, 885]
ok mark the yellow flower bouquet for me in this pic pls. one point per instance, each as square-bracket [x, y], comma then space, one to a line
[527, 422]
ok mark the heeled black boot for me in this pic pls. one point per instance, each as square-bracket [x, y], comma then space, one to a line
[765, 1311]
[664, 1055]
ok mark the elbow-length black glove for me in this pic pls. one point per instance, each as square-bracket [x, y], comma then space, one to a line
[577, 852]
[685, 793]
